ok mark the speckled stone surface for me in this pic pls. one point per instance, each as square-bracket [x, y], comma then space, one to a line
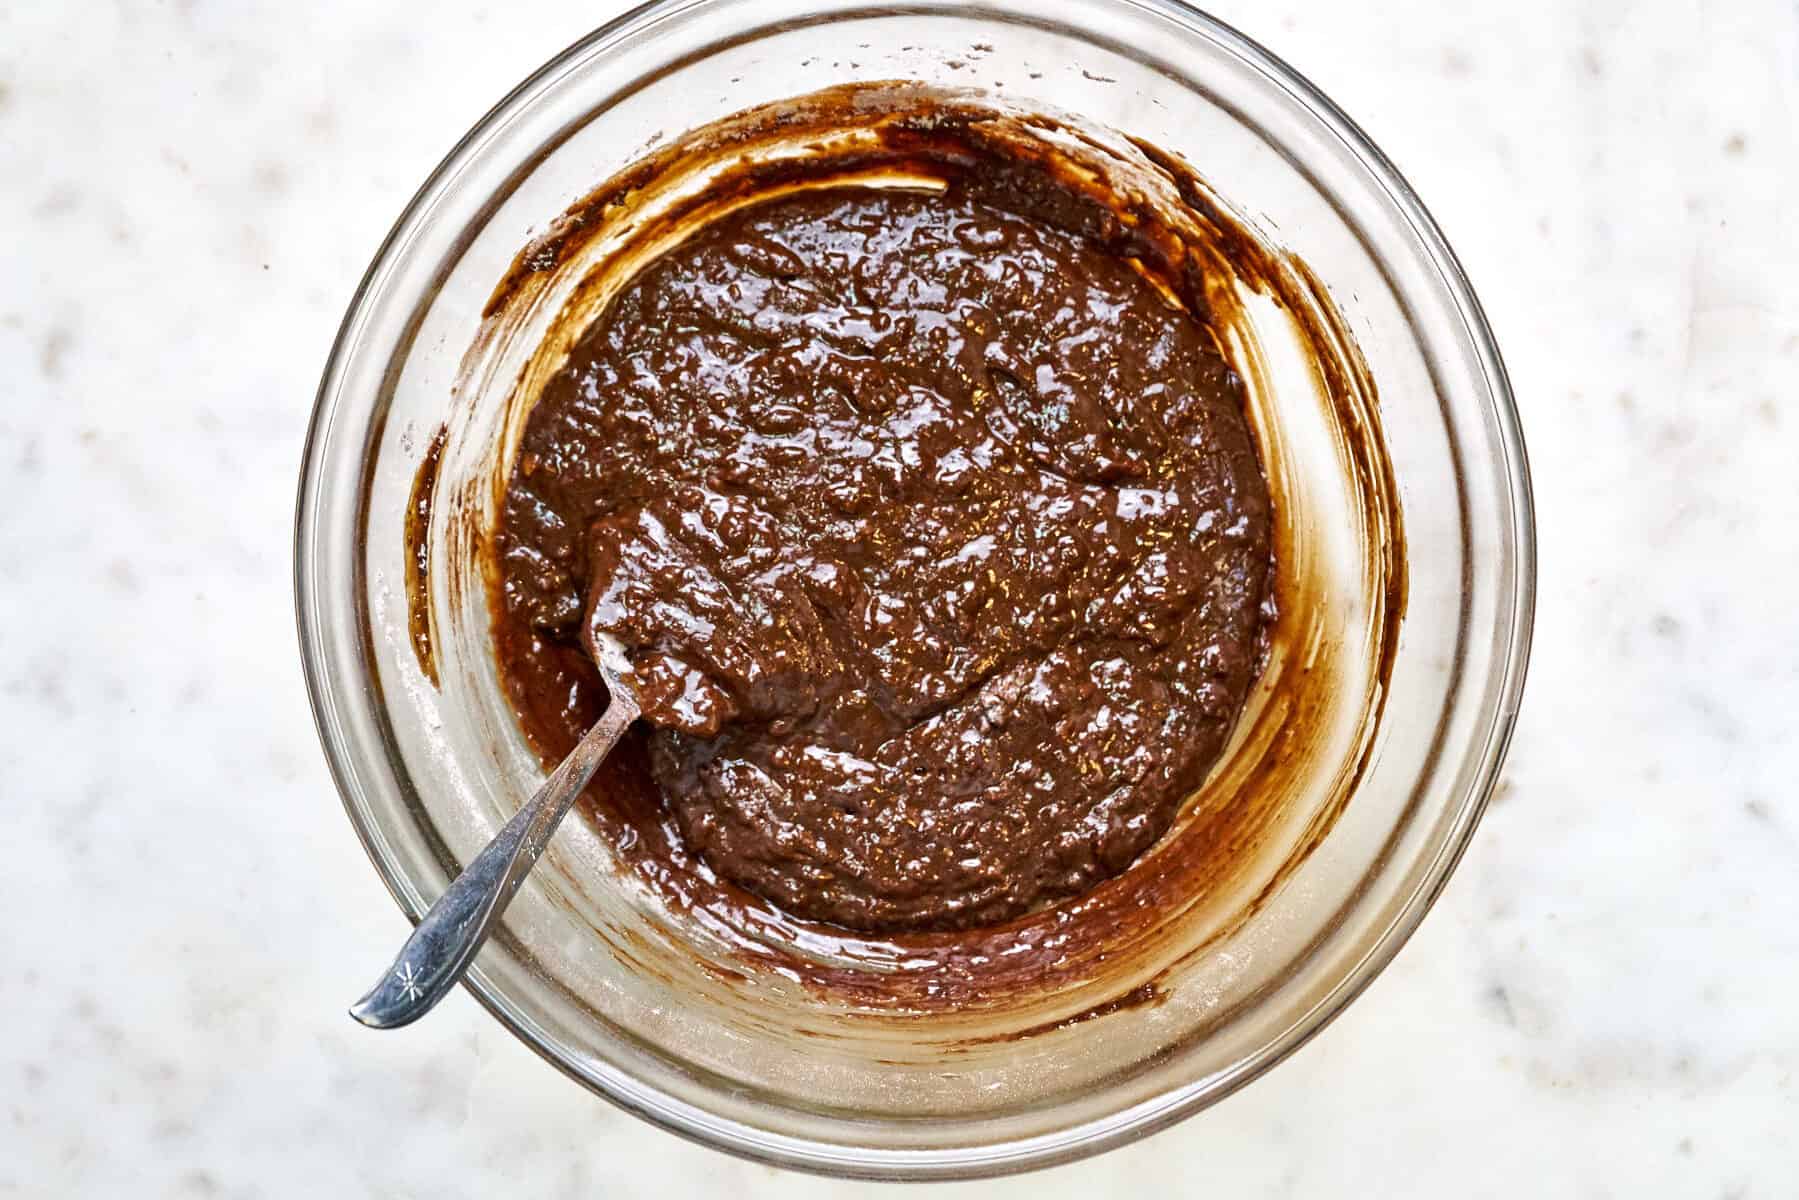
[1604, 1003]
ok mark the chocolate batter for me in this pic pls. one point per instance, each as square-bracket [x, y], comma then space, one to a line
[937, 537]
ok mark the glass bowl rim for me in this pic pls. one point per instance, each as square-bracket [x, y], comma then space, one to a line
[1488, 746]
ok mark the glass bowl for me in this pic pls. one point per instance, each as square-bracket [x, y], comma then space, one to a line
[588, 969]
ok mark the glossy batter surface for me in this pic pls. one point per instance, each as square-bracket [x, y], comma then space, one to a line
[937, 537]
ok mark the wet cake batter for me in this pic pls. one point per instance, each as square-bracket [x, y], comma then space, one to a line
[937, 537]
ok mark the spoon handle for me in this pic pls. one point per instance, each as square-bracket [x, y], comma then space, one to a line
[440, 949]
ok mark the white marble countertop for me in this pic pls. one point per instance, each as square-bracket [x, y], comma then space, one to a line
[1605, 1002]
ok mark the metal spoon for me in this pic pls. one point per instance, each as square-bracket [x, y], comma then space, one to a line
[434, 958]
